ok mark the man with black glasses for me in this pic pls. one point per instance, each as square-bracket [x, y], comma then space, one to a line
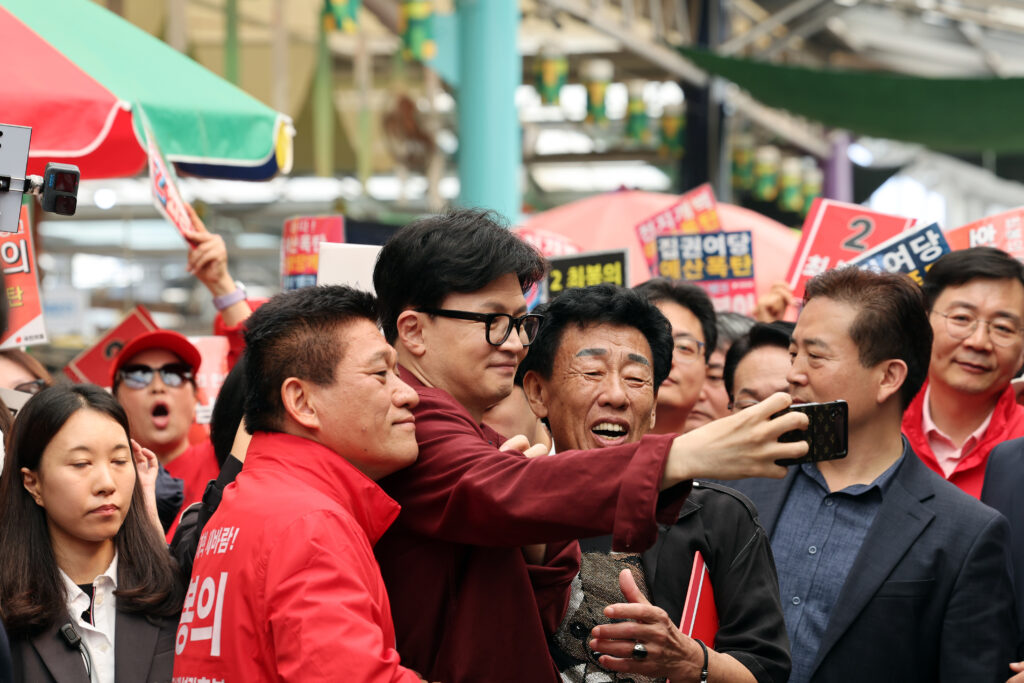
[479, 562]
[967, 407]
[153, 378]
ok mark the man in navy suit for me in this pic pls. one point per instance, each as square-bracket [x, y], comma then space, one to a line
[1004, 482]
[887, 572]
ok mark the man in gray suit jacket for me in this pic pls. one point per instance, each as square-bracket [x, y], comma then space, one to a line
[887, 572]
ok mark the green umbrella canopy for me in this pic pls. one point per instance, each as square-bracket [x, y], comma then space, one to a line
[82, 76]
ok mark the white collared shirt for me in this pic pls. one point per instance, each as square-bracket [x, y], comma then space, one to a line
[98, 636]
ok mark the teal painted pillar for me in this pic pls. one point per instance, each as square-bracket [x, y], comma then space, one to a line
[490, 70]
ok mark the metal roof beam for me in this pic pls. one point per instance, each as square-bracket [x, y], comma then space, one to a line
[780, 18]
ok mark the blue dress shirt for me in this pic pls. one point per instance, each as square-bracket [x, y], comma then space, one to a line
[816, 539]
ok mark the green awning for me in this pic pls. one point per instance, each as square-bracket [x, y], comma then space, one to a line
[948, 114]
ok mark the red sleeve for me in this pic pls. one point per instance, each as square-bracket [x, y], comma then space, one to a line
[327, 609]
[462, 489]
[552, 582]
[236, 340]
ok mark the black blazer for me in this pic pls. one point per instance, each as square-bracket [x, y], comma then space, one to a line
[143, 653]
[1004, 490]
[5, 657]
[929, 596]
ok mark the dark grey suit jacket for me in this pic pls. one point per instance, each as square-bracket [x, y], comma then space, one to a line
[5, 658]
[929, 596]
[143, 653]
[1004, 490]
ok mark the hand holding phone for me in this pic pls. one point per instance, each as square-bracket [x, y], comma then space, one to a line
[826, 434]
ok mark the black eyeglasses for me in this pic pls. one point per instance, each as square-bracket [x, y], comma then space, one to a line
[140, 376]
[33, 387]
[498, 325]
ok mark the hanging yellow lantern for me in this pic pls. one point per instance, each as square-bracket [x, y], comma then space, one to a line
[672, 132]
[551, 70]
[597, 75]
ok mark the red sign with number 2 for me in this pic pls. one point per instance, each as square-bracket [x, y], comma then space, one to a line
[835, 233]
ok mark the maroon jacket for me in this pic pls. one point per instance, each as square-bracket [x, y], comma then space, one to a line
[466, 605]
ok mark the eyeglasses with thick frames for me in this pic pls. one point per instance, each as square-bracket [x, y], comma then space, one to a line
[173, 375]
[962, 324]
[32, 387]
[498, 326]
[688, 349]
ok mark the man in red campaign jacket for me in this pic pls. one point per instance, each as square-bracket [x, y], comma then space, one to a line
[285, 585]
[479, 563]
[967, 407]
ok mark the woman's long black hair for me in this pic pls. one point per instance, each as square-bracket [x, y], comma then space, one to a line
[32, 594]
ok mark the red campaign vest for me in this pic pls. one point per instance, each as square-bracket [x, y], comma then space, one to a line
[1007, 423]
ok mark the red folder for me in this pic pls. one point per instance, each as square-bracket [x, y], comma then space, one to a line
[700, 617]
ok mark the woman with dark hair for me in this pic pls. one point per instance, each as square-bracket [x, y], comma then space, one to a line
[91, 587]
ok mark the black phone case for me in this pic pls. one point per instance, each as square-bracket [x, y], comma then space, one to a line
[825, 435]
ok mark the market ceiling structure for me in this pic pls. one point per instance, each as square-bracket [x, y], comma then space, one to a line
[932, 39]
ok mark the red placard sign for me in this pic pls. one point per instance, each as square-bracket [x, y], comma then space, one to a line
[24, 307]
[93, 364]
[1002, 231]
[696, 211]
[300, 247]
[210, 376]
[835, 233]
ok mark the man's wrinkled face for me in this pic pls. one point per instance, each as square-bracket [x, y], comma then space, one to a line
[601, 390]
[159, 415]
[974, 364]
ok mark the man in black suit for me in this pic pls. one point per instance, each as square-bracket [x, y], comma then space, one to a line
[1004, 482]
[887, 572]
[5, 657]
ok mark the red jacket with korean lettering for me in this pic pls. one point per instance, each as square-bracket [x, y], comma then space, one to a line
[969, 476]
[285, 586]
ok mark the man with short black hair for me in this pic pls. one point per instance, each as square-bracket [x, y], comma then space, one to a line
[976, 309]
[451, 291]
[885, 569]
[757, 364]
[288, 556]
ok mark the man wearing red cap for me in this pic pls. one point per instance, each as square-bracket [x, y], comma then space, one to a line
[154, 379]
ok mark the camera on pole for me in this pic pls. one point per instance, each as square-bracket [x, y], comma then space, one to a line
[57, 187]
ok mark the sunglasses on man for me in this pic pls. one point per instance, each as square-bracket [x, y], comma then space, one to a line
[137, 376]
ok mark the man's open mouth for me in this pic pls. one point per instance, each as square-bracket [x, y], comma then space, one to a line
[609, 430]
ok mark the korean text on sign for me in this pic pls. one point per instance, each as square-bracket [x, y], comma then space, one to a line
[1003, 231]
[300, 247]
[695, 212]
[24, 307]
[911, 253]
[835, 233]
[721, 263]
[584, 270]
[716, 256]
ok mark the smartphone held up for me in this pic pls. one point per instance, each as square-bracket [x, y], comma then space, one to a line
[826, 433]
